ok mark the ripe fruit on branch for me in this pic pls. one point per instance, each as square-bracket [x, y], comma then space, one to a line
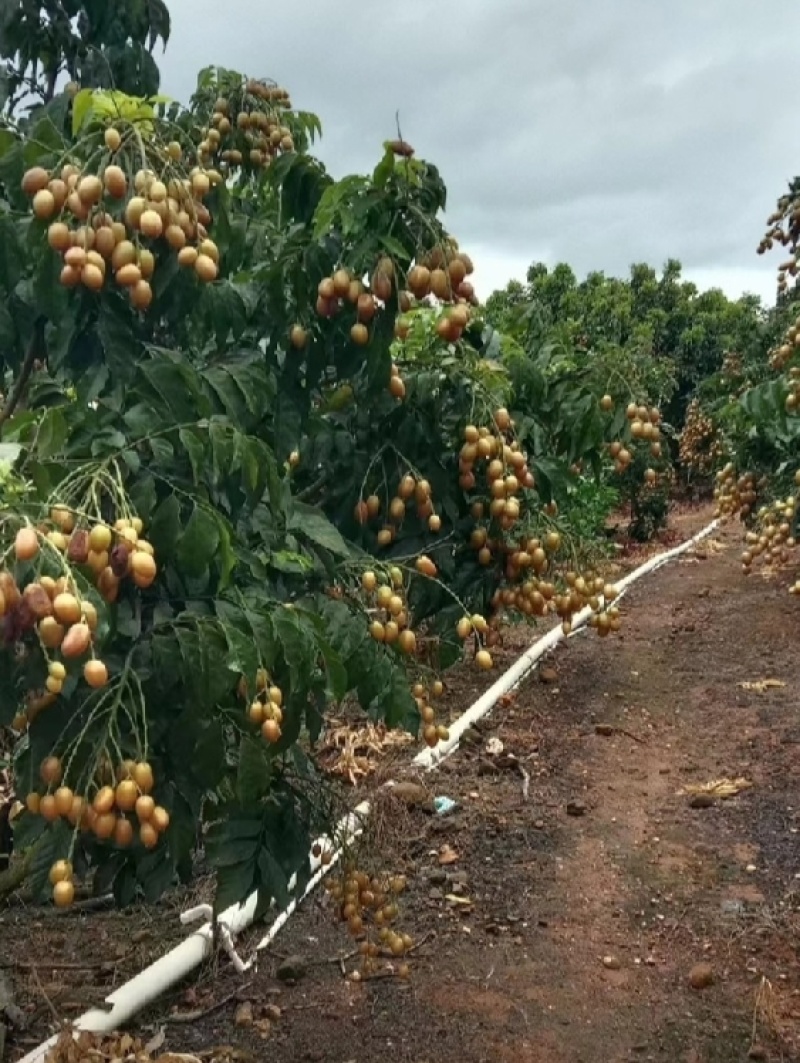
[113, 229]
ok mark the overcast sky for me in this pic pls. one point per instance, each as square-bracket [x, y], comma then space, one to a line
[597, 132]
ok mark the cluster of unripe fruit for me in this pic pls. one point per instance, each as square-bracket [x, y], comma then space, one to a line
[121, 811]
[368, 904]
[246, 131]
[700, 448]
[410, 492]
[105, 225]
[265, 708]
[783, 227]
[735, 495]
[643, 425]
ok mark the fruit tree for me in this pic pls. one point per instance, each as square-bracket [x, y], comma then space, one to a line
[760, 481]
[264, 462]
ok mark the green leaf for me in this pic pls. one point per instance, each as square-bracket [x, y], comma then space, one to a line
[121, 348]
[165, 528]
[175, 387]
[291, 563]
[309, 523]
[299, 647]
[243, 656]
[52, 434]
[253, 773]
[12, 257]
[274, 880]
[199, 543]
[384, 170]
[195, 451]
[81, 109]
[235, 882]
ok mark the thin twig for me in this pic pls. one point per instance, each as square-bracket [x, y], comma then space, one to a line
[526, 781]
[201, 1013]
[35, 351]
[421, 942]
[59, 1021]
[31, 965]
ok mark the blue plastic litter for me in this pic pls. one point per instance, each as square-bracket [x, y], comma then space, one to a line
[443, 805]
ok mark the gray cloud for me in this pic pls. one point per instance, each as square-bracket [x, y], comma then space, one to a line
[599, 132]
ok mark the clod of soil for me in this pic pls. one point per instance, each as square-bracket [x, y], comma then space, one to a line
[701, 976]
[292, 969]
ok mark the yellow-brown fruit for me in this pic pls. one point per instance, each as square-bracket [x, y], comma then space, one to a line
[34, 180]
[63, 893]
[112, 138]
[206, 268]
[141, 294]
[298, 337]
[44, 204]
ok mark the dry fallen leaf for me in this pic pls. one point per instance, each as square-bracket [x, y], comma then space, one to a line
[462, 902]
[447, 855]
[762, 685]
[717, 788]
[352, 752]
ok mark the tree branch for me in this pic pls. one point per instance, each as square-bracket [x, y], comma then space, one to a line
[12, 878]
[35, 352]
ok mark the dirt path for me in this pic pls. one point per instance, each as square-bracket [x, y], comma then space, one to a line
[566, 929]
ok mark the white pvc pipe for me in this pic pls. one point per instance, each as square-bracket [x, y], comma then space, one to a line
[154, 980]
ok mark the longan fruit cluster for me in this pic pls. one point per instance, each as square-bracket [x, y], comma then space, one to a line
[397, 386]
[643, 424]
[411, 492]
[246, 129]
[390, 623]
[491, 458]
[64, 624]
[792, 401]
[700, 447]
[110, 553]
[342, 288]
[772, 539]
[537, 596]
[368, 904]
[442, 273]
[265, 708]
[780, 356]
[783, 228]
[121, 810]
[53, 609]
[735, 495]
[106, 225]
[732, 365]
[424, 695]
